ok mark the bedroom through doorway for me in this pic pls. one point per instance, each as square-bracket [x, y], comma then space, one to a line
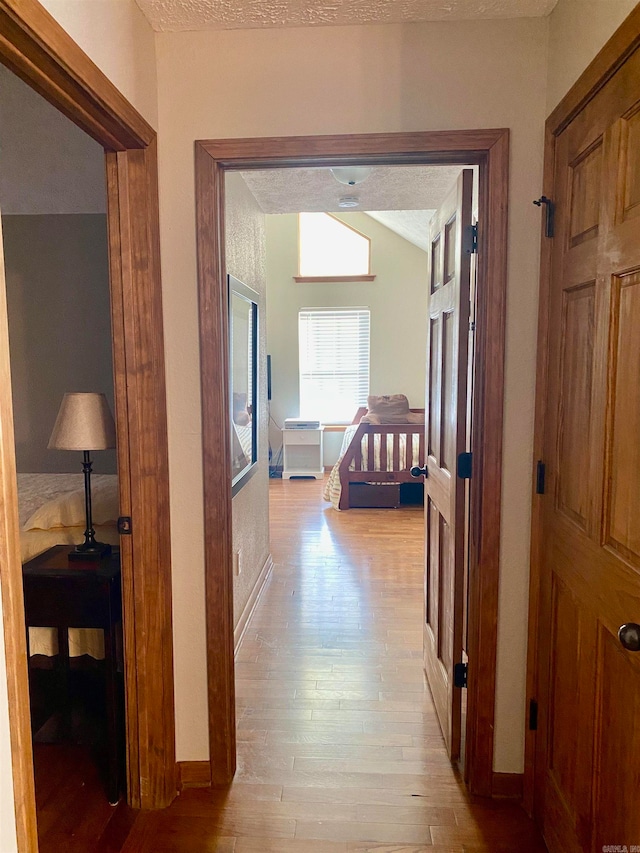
[322, 616]
[56, 272]
[214, 159]
[45, 57]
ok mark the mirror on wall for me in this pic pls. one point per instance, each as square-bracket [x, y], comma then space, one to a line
[243, 360]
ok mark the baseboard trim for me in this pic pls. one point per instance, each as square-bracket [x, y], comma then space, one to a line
[194, 774]
[507, 786]
[250, 606]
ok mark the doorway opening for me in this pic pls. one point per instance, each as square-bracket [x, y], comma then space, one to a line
[56, 271]
[42, 54]
[488, 150]
[352, 321]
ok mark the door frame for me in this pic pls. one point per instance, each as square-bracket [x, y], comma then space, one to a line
[489, 149]
[624, 41]
[36, 48]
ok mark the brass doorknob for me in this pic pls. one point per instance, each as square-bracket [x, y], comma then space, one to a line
[629, 636]
[417, 471]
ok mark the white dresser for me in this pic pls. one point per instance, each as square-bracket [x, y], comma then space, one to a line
[302, 453]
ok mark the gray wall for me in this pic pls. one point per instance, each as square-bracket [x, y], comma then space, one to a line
[47, 164]
[59, 328]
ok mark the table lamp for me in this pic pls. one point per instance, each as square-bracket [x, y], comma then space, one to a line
[85, 423]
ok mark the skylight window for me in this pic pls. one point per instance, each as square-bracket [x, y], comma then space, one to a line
[331, 249]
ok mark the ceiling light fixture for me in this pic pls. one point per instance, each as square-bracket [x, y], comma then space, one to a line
[351, 175]
[348, 201]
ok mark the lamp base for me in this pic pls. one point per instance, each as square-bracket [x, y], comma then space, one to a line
[89, 554]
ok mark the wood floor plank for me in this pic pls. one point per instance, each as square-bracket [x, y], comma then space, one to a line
[267, 845]
[417, 814]
[335, 830]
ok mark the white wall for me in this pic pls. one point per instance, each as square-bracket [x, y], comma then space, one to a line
[118, 38]
[577, 31]
[397, 300]
[388, 78]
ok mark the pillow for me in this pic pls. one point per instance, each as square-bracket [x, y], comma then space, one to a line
[390, 409]
[68, 509]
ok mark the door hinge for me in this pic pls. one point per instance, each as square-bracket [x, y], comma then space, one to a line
[465, 462]
[540, 476]
[125, 525]
[550, 214]
[470, 239]
[460, 671]
[533, 715]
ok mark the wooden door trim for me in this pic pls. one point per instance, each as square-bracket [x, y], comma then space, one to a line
[624, 41]
[37, 49]
[489, 149]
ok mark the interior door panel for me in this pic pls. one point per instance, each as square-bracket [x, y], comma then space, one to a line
[447, 377]
[588, 743]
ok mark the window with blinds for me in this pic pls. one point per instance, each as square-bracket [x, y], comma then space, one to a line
[334, 362]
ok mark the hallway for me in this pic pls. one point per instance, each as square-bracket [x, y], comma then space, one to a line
[339, 749]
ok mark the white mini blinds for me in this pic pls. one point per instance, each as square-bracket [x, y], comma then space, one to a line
[334, 362]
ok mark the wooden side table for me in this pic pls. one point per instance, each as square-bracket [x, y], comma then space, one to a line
[63, 595]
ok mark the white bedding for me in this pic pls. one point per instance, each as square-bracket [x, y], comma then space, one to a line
[333, 488]
[35, 490]
[242, 447]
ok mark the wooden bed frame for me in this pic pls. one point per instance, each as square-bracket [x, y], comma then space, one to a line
[379, 495]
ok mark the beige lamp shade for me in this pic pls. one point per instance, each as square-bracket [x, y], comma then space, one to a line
[84, 422]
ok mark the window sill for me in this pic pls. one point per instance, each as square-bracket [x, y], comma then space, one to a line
[335, 427]
[332, 279]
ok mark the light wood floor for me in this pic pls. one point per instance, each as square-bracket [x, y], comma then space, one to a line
[339, 748]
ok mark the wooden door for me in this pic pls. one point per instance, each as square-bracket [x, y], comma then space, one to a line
[447, 346]
[588, 747]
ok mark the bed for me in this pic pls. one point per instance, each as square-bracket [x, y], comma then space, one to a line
[375, 461]
[51, 509]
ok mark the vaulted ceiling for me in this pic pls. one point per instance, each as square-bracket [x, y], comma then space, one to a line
[174, 15]
[401, 197]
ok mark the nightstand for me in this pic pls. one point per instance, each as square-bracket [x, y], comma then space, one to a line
[302, 453]
[63, 595]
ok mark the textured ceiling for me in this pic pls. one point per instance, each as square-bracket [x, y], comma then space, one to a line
[413, 225]
[386, 188]
[401, 197]
[173, 15]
